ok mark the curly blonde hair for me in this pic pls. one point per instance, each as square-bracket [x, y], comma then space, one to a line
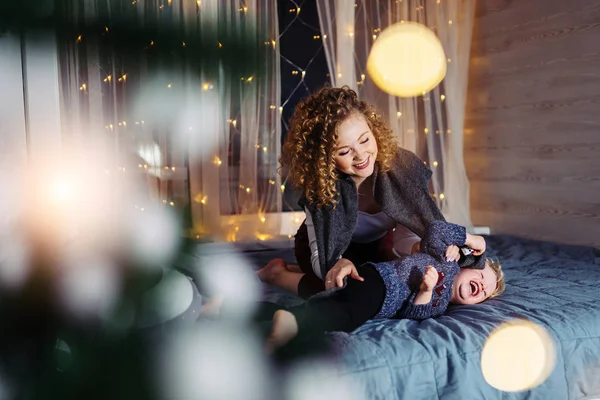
[500, 284]
[308, 156]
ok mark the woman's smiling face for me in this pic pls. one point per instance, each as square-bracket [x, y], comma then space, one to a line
[356, 150]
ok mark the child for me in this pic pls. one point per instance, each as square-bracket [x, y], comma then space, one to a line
[418, 286]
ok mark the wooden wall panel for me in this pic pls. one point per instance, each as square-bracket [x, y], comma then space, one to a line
[532, 128]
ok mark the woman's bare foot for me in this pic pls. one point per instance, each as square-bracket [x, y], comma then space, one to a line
[272, 271]
[284, 329]
[212, 307]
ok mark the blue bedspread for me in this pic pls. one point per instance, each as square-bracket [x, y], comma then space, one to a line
[555, 286]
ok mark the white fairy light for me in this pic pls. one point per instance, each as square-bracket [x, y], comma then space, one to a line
[234, 280]
[317, 380]
[88, 288]
[214, 362]
[152, 237]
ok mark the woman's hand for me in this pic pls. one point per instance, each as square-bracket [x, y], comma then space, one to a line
[341, 269]
[453, 253]
[476, 243]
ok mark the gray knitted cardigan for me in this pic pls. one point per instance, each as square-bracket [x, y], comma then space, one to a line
[401, 192]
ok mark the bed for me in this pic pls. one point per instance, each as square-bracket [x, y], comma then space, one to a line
[555, 286]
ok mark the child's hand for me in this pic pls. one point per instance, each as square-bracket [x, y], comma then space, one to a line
[453, 253]
[430, 278]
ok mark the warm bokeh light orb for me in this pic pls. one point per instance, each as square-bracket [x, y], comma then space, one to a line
[406, 60]
[518, 355]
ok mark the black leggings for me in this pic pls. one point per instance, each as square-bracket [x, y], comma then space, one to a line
[346, 309]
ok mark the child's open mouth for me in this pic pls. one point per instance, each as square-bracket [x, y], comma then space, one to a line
[474, 288]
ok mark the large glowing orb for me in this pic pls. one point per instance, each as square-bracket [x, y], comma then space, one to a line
[518, 355]
[406, 60]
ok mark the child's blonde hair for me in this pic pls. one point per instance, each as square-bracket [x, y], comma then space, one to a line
[500, 284]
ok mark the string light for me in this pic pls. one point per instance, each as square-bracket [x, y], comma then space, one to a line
[79, 39]
[282, 187]
[198, 3]
[133, 3]
[220, 45]
[294, 72]
[234, 123]
[83, 87]
[303, 74]
[263, 219]
[247, 190]
[173, 169]
[450, 22]
[152, 43]
[217, 161]
[106, 28]
[426, 131]
[315, 37]
[280, 110]
[272, 107]
[183, 44]
[169, 86]
[206, 86]
[161, 7]
[249, 79]
[374, 37]
[172, 204]
[398, 114]
[324, 37]
[273, 43]
[449, 131]
[123, 78]
[297, 10]
[140, 165]
[449, 60]
[435, 163]
[442, 196]
[339, 75]
[108, 79]
[442, 97]
[271, 181]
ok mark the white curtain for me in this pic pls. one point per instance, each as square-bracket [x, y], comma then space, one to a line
[191, 89]
[430, 125]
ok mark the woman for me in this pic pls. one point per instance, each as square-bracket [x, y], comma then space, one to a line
[358, 187]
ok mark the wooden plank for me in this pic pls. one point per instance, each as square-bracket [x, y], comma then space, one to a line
[537, 198]
[555, 229]
[533, 119]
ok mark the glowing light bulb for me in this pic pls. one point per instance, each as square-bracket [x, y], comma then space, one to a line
[435, 163]
[442, 196]
[518, 355]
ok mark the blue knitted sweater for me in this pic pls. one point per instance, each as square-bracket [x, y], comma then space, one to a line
[403, 277]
